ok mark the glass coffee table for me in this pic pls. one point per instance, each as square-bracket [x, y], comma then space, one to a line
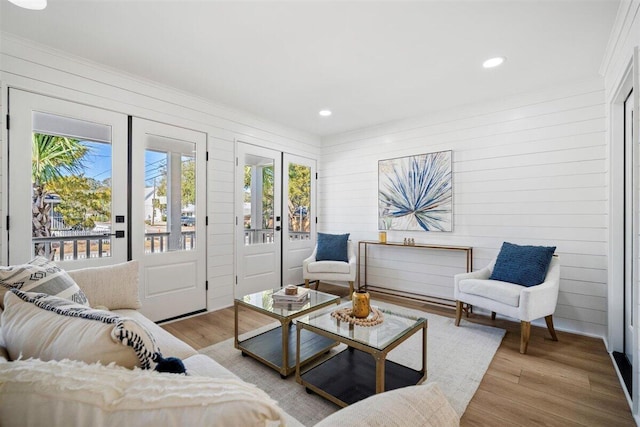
[276, 347]
[361, 370]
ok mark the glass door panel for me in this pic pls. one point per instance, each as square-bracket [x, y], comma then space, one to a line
[258, 207]
[299, 182]
[299, 202]
[71, 188]
[170, 198]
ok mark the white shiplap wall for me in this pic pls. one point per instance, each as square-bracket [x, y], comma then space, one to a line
[531, 169]
[40, 69]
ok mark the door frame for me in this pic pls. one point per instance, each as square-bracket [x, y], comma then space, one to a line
[615, 263]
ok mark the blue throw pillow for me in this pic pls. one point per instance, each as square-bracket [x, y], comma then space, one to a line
[522, 265]
[332, 247]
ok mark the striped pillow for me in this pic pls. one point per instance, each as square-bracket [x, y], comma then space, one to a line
[51, 328]
[42, 276]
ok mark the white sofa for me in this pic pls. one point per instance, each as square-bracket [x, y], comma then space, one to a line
[75, 393]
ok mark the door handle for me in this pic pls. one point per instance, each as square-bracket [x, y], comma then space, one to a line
[119, 234]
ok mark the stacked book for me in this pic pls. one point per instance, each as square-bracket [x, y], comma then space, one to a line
[285, 297]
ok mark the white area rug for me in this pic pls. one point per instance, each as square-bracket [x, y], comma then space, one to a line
[457, 359]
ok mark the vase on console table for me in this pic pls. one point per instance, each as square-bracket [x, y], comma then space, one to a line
[360, 302]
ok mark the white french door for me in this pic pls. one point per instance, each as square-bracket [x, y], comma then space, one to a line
[258, 218]
[299, 225]
[66, 182]
[168, 215]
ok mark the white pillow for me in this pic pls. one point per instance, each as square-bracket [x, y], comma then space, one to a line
[413, 406]
[51, 328]
[42, 276]
[113, 286]
[69, 393]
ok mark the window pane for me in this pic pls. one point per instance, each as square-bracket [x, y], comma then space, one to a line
[258, 200]
[170, 196]
[71, 188]
[299, 204]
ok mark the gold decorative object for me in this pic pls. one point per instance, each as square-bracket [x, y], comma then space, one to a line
[382, 237]
[360, 301]
[345, 315]
[291, 290]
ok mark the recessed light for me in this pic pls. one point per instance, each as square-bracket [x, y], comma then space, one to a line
[325, 113]
[494, 62]
[30, 4]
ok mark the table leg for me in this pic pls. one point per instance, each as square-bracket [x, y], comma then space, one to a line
[424, 351]
[235, 324]
[285, 347]
[298, 377]
[380, 361]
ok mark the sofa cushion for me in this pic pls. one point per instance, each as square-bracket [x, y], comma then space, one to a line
[415, 406]
[42, 276]
[503, 292]
[332, 247]
[522, 265]
[328, 267]
[112, 286]
[58, 393]
[204, 366]
[52, 328]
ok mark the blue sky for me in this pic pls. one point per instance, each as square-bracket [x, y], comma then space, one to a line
[98, 162]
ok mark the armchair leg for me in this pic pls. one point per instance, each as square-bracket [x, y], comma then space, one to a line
[552, 331]
[306, 283]
[317, 285]
[350, 288]
[458, 312]
[493, 315]
[525, 333]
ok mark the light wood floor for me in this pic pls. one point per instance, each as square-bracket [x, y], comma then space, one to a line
[564, 383]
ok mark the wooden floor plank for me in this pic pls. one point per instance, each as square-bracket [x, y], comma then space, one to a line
[572, 410]
[515, 412]
[589, 399]
[564, 383]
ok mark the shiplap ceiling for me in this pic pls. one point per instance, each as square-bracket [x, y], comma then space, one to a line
[369, 62]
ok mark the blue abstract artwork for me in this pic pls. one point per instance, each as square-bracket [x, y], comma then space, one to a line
[415, 193]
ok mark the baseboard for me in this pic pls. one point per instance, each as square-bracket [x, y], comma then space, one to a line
[624, 388]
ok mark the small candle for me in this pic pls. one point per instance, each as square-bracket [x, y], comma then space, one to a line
[382, 237]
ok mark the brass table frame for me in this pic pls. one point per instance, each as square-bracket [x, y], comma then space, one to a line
[469, 265]
[379, 356]
[285, 323]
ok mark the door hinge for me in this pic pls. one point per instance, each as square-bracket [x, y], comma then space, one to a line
[316, 220]
[206, 156]
[206, 285]
[7, 222]
[316, 175]
[236, 161]
[236, 280]
[8, 122]
[236, 220]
